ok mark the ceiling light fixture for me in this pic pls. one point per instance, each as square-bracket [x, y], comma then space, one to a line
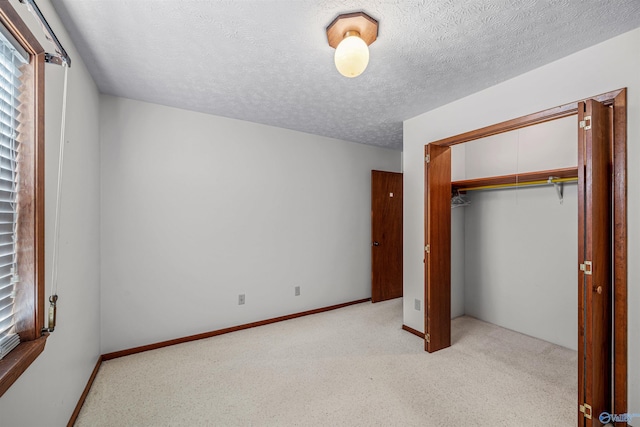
[351, 34]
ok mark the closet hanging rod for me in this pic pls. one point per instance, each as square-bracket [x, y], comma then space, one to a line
[61, 57]
[521, 177]
[518, 184]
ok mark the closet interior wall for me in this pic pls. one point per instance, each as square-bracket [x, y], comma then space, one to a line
[519, 253]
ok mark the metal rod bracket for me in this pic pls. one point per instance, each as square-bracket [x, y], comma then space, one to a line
[61, 57]
[53, 59]
[559, 186]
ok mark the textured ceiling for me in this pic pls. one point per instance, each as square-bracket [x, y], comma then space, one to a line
[268, 61]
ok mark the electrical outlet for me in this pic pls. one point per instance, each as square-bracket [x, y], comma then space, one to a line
[297, 290]
[240, 299]
[416, 304]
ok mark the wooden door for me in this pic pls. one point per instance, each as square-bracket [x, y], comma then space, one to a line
[437, 247]
[594, 255]
[386, 235]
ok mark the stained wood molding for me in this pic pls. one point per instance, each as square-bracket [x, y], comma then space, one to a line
[413, 331]
[84, 394]
[620, 297]
[196, 337]
[18, 360]
[529, 120]
[523, 177]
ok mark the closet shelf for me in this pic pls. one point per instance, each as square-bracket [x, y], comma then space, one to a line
[515, 180]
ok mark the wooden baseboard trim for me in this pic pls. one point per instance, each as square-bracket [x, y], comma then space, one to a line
[84, 394]
[413, 331]
[121, 353]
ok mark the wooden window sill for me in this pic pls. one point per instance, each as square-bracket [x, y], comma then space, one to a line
[16, 362]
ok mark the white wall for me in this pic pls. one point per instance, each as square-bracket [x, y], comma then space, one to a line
[521, 245]
[197, 209]
[521, 249]
[47, 393]
[458, 274]
[549, 145]
[458, 262]
[610, 65]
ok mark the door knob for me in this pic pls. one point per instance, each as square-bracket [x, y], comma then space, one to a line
[598, 289]
[376, 244]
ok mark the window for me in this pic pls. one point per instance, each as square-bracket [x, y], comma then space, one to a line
[21, 194]
[12, 59]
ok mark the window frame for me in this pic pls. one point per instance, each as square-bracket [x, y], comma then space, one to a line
[29, 301]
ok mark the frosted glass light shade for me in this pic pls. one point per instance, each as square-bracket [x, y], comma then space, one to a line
[352, 56]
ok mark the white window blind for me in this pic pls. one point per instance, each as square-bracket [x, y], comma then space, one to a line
[12, 57]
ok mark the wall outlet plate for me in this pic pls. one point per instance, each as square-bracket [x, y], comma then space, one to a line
[417, 304]
[240, 299]
[297, 290]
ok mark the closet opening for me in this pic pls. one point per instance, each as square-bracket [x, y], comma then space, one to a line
[601, 302]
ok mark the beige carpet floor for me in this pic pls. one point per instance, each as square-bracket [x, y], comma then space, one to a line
[349, 367]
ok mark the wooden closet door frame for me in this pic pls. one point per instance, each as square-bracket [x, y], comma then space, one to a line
[595, 185]
[437, 267]
[617, 99]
